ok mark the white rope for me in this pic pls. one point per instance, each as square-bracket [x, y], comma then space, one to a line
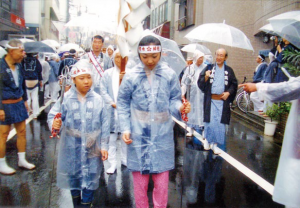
[242, 168]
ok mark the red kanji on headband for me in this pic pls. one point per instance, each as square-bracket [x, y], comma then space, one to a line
[150, 49]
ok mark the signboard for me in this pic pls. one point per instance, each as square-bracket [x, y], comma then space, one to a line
[17, 20]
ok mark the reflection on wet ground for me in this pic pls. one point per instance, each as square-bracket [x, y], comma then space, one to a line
[208, 180]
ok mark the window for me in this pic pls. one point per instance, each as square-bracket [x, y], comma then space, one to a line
[186, 14]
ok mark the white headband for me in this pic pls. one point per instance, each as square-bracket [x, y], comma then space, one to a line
[259, 56]
[150, 49]
[14, 47]
[79, 71]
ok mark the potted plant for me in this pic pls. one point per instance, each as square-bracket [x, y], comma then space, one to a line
[270, 125]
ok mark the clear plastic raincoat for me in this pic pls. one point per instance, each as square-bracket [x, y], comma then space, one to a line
[84, 132]
[109, 87]
[145, 108]
[196, 98]
[287, 183]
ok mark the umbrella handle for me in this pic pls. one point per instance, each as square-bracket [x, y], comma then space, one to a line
[54, 132]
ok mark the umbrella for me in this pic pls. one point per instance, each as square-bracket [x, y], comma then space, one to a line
[287, 25]
[3, 43]
[268, 29]
[194, 46]
[220, 33]
[2, 52]
[93, 22]
[70, 46]
[36, 47]
[52, 43]
[26, 40]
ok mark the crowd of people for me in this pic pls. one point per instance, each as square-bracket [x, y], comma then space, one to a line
[106, 99]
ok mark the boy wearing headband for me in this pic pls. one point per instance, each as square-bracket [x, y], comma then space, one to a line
[148, 97]
[84, 130]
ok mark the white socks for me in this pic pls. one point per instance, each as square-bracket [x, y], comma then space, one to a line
[23, 162]
[4, 168]
[112, 169]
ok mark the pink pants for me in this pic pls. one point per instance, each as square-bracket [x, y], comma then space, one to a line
[160, 191]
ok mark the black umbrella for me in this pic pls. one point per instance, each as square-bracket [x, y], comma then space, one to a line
[36, 47]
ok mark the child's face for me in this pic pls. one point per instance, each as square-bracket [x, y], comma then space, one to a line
[150, 60]
[83, 83]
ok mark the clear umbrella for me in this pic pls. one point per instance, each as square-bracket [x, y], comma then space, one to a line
[70, 46]
[194, 46]
[287, 25]
[267, 29]
[94, 23]
[52, 43]
[3, 43]
[220, 33]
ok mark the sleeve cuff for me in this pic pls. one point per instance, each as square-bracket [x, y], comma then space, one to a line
[261, 89]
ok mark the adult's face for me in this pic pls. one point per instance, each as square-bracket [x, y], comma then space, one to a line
[199, 61]
[17, 54]
[97, 45]
[118, 59]
[286, 42]
[110, 52]
[189, 62]
[258, 60]
[220, 56]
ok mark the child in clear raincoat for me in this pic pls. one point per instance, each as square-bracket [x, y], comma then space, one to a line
[148, 97]
[84, 130]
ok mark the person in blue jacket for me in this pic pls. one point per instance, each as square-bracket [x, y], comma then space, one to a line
[13, 104]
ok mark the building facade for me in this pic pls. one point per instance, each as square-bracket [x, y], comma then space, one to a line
[11, 18]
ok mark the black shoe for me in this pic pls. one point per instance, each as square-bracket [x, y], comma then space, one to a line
[76, 201]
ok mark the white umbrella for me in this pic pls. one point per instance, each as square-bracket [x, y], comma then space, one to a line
[3, 43]
[287, 25]
[2, 52]
[220, 33]
[52, 43]
[94, 23]
[267, 29]
[194, 46]
[70, 46]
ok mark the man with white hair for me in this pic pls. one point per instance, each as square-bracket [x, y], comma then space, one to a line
[219, 85]
[13, 104]
[194, 95]
[110, 83]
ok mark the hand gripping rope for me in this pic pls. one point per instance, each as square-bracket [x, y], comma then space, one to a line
[184, 115]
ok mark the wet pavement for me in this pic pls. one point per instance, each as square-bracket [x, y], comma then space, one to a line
[209, 180]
